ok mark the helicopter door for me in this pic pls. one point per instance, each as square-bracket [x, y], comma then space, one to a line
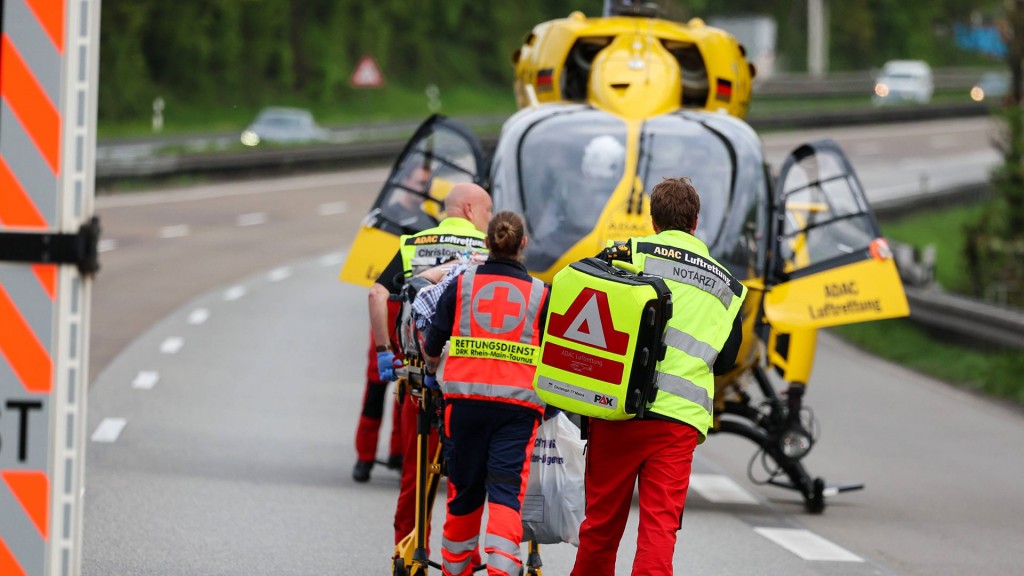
[829, 264]
[441, 154]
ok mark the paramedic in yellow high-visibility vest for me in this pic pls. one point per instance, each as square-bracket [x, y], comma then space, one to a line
[702, 338]
[467, 212]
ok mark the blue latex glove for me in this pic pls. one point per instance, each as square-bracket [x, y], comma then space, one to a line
[386, 365]
[430, 381]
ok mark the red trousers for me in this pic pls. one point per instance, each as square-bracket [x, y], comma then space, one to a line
[372, 413]
[405, 511]
[660, 454]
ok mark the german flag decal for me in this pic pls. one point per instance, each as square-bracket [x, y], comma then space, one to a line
[544, 78]
[723, 90]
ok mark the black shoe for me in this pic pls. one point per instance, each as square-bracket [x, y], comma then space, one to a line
[394, 462]
[361, 472]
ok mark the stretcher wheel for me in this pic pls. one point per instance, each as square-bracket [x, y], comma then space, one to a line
[399, 568]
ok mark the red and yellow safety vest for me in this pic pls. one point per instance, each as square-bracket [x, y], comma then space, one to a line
[495, 340]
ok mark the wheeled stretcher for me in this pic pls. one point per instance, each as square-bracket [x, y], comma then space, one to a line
[410, 557]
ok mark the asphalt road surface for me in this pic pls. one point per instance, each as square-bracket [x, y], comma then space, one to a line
[229, 363]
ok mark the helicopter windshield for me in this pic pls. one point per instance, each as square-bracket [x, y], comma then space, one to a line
[723, 160]
[569, 166]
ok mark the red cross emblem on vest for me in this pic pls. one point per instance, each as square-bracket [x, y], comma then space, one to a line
[499, 307]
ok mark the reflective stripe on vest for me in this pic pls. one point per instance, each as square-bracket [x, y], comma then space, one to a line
[679, 340]
[452, 237]
[495, 339]
[684, 389]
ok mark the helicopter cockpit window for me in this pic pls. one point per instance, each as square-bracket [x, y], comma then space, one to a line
[826, 215]
[724, 161]
[569, 165]
[413, 198]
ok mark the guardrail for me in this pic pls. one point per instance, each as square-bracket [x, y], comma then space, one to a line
[380, 144]
[967, 319]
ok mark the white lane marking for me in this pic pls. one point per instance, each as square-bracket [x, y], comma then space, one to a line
[720, 489]
[332, 208]
[865, 148]
[278, 274]
[808, 545]
[106, 245]
[177, 231]
[332, 259]
[252, 219]
[198, 316]
[943, 141]
[109, 430]
[172, 345]
[234, 293]
[146, 380]
[372, 176]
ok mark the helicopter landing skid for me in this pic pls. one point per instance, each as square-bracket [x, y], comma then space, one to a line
[784, 439]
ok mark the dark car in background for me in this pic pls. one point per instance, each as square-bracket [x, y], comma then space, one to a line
[283, 125]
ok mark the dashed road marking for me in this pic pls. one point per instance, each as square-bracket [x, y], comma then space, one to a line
[146, 380]
[106, 245]
[808, 545]
[109, 430]
[234, 293]
[198, 316]
[332, 208]
[177, 231]
[332, 259]
[172, 345]
[278, 274]
[720, 489]
[252, 219]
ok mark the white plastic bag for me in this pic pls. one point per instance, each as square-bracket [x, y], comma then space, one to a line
[554, 502]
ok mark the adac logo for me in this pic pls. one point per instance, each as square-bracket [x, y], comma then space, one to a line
[589, 321]
[428, 239]
[603, 400]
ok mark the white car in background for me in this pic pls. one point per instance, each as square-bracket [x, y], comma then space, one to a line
[903, 81]
[282, 125]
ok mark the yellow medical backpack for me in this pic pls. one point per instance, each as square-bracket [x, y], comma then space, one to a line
[603, 337]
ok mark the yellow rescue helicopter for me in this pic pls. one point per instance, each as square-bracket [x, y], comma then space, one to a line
[608, 107]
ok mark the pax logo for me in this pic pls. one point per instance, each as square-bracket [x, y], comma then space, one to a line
[603, 400]
[588, 321]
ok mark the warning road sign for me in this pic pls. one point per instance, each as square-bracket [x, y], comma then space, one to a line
[367, 74]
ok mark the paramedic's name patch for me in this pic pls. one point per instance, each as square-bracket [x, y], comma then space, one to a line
[494, 349]
[692, 269]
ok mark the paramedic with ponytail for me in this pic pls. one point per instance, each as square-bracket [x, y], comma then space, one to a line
[702, 339]
[492, 317]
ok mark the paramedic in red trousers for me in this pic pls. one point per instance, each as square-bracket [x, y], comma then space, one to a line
[467, 211]
[403, 203]
[492, 317]
[703, 337]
